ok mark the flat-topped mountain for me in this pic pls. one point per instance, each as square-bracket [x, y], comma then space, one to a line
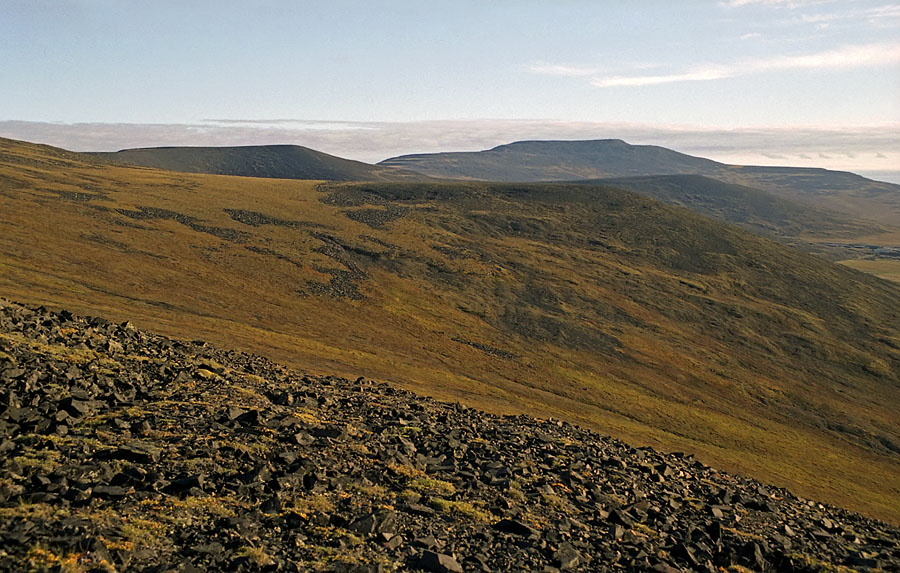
[555, 161]
[272, 161]
[126, 450]
[612, 158]
[587, 303]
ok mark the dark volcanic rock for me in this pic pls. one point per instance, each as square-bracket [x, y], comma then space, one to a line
[439, 563]
[129, 451]
[513, 526]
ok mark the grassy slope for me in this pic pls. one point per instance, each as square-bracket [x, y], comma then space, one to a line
[759, 211]
[834, 190]
[641, 320]
[888, 269]
[272, 161]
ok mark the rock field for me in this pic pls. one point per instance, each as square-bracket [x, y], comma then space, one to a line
[127, 451]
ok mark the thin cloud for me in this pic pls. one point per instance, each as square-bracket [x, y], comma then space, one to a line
[822, 18]
[751, 36]
[878, 16]
[786, 3]
[846, 57]
[563, 70]
[700, 74]
[740, 3]
[887, 11]
[580, 70]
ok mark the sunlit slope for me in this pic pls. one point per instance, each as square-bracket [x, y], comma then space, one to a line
[596, 305]
[270, 161]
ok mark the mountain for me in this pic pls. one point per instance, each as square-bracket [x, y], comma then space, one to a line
[587, 303]
[272, 161]
[611, 158]
[554, 161]
[126, 450]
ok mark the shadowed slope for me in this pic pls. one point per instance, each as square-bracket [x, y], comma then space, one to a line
[273, 161]
[759, 211]
[584, 302]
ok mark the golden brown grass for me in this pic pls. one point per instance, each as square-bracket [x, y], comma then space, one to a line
[884, 268]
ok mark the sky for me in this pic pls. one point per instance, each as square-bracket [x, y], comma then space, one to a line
[786, 82]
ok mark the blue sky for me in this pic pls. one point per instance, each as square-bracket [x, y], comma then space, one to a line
[405, 69]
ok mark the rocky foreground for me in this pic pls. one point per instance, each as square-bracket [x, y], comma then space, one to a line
[122, 450]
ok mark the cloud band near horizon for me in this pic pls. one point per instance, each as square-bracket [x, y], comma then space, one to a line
[862, 149]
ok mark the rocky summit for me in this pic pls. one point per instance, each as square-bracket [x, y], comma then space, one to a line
[124, 450]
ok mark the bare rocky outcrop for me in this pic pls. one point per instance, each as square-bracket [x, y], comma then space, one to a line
[132, 451]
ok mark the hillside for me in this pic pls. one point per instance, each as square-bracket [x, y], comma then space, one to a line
[272, 161]
[125, 450]
[583, 302]
[612, 158]
[759, 211]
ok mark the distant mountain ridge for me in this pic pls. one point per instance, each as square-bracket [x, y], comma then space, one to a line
[270, 161]
[551, 160]
[528, 161]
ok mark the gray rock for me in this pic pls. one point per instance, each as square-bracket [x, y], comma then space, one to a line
[439, 563]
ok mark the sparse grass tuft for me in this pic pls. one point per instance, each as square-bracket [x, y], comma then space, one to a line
[257, 555]
[432, 486]
[309, 504]
[808, 563]
[39, 559]
[460, 508]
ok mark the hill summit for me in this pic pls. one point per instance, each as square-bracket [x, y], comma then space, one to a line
[271, 161]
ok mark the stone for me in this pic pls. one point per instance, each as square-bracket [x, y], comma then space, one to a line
[567, 557]
[110, 492]
[621, 517]
[135, 454]
[515, 527]
[439, 563]
[751, 555]
[418, 509]
[185, 484]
